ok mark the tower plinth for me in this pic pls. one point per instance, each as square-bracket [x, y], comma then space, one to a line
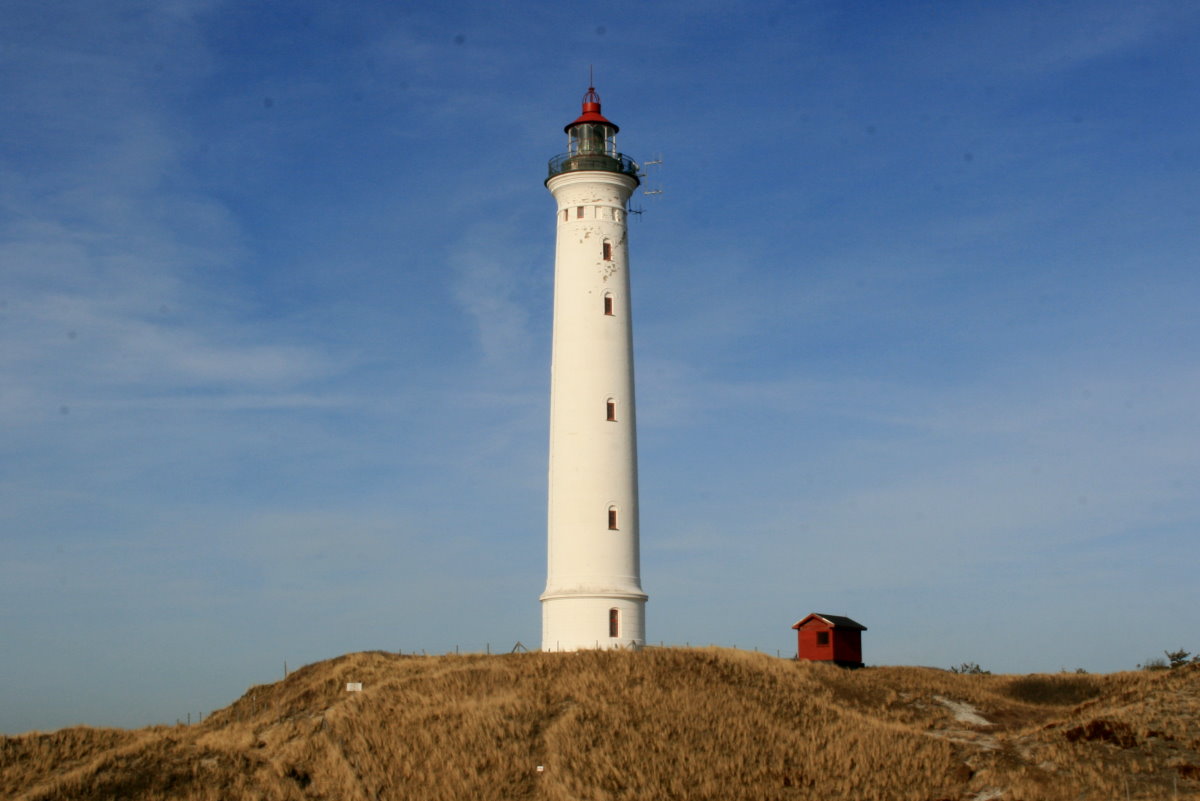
[593, 596]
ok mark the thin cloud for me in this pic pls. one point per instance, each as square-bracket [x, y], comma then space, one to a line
[490, 283]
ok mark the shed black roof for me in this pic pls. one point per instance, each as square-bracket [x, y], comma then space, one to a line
[837, 621]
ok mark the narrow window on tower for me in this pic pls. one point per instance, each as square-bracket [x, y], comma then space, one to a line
[617, 215]
[564, 215]
[612, 518]
[608, 304]
[608, 251]
[614, 622]
[610, 407]
[579, 212]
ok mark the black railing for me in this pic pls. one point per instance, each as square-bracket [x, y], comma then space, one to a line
[575, 162]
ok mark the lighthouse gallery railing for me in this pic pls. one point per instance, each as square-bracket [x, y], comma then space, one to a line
[574, 162]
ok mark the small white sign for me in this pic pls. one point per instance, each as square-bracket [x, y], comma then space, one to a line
[540, 769]
[354, 686]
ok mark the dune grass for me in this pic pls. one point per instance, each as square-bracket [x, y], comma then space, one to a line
[657, 724]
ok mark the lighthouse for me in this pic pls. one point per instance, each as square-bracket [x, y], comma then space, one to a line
[593, 596]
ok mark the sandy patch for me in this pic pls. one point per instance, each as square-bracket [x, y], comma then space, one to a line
[963, 712]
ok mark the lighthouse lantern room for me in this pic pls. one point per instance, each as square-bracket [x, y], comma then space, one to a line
[592, 144]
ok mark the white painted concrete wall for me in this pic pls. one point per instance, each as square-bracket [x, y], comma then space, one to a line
[593, 461]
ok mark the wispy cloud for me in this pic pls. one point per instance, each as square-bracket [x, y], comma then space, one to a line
[108, 255]
[493, 275]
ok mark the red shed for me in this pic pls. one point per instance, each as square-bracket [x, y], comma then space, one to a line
[830, 638]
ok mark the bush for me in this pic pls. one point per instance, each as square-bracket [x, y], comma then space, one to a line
[970, 669]
[1180, 658]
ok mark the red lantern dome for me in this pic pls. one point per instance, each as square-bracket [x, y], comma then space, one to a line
[591, 111]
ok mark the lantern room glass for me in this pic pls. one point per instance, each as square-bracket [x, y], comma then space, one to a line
[592, 139]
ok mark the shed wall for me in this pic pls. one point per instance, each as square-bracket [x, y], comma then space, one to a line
[844, 645]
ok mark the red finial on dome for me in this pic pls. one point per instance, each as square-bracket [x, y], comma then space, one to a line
[591, 100]
[591, 111]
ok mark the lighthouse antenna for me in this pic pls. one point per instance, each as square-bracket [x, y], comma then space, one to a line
[647, 191]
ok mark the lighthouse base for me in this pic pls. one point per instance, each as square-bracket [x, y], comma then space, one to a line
[589, 622]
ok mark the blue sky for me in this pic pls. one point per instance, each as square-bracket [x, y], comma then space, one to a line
[915, 331]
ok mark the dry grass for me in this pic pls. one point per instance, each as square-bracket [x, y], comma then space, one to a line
[660, 724]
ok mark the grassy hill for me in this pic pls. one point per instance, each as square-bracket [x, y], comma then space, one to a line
[660, 724]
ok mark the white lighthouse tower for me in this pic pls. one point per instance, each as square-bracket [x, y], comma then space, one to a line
[593, 596]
